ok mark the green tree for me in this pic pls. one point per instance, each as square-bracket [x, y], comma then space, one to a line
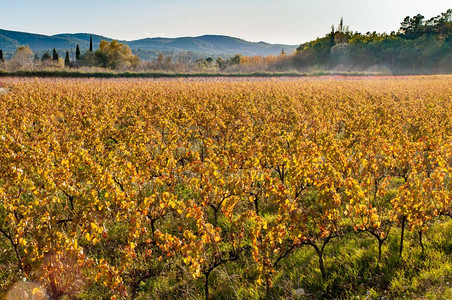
[1, 56]
[77, 53]
[67, 61]
[221, 63]
[412, 27]
[331, 36]
[55, 55]
[236, 59]
[46, 57]
[340, 28]
[91, 43]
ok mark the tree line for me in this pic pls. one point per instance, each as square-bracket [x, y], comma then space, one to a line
[419, 46]
[111, 55]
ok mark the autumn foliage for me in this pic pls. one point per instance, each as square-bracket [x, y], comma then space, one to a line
[113, 184]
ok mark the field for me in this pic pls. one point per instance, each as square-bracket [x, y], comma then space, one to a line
[288, 188]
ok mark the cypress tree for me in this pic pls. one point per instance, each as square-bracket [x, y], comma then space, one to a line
[67, 62]
[332, 34]
[1, 56]
[341, 25]
[55, 54]
[77, 52]
[90, 43]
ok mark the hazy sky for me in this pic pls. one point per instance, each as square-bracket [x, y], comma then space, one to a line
[275, 21]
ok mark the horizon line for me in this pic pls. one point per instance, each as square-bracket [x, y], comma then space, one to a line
[144, 38]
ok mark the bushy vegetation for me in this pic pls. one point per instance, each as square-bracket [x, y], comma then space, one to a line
[113, 56]
[245, 189]
[419, 46]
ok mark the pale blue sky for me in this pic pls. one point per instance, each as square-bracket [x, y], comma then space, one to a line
[275, 21]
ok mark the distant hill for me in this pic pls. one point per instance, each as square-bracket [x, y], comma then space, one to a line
[207, 44]
[211, 44]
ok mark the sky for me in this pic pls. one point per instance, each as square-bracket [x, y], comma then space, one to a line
[274, 21]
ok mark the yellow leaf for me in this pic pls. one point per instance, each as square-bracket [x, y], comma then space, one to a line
[94, 226]
[37, 290]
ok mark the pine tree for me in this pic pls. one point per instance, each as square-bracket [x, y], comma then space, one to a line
[91, 43]
[55, 55]
[67, 62]
[77, 52]
[1, 56]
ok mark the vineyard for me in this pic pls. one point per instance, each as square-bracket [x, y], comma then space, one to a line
[234, 189]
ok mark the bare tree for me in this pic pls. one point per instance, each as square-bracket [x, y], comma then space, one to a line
[22, 59]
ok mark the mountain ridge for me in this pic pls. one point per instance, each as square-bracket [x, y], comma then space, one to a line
[208, 44]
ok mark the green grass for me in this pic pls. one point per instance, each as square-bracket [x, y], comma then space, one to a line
[354, 272]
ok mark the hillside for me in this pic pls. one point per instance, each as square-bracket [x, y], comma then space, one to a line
[206, 44]
[419, 46]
